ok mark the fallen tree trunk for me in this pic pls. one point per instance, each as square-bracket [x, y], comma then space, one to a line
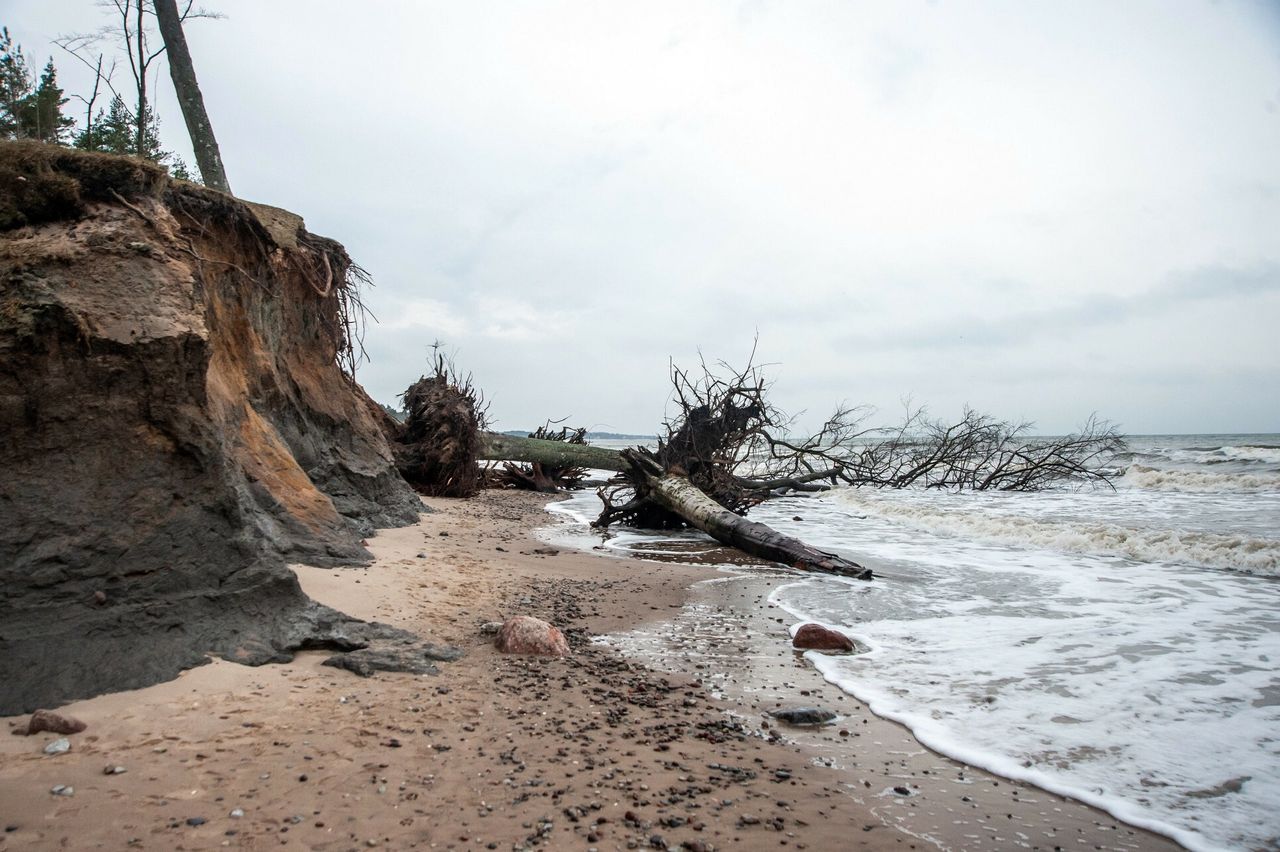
[495, 447]
[679, 496]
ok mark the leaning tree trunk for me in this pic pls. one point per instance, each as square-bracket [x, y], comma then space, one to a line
[183, 73]
[495, 447]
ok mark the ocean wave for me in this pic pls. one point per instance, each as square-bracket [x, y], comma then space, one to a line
[1233, 552]
[1152, 479]
[1261, 452]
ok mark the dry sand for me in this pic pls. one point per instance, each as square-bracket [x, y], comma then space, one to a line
[496, 752]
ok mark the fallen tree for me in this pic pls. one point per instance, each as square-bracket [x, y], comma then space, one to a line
[727, 448]
[437, 447]
[496, 447]
[675, 494]
[539, 475]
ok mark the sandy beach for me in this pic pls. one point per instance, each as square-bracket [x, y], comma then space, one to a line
[500, 752]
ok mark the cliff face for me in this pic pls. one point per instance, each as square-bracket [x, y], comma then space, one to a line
[174, 427]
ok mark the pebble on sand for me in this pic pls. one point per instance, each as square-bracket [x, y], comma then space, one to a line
[58, 746]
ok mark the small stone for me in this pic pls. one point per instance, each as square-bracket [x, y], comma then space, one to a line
[236, 813]
[195, 821]
[62, 790]
[58, 746]
[902, 791]
[114, 770]
[803, 715]
[491, 628]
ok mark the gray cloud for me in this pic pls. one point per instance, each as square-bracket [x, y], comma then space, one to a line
[1041, 210]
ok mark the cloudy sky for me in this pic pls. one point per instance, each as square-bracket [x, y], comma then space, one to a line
[1040, 209]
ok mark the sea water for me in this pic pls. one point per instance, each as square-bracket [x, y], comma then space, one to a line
[1118, 646]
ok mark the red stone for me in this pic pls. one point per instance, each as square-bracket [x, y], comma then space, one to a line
[524, 634]
[815, 637]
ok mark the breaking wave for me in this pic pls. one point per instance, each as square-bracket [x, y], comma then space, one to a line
[1152, 479]
[1234, 552]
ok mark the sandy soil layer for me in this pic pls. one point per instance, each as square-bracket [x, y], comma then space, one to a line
[496, 752]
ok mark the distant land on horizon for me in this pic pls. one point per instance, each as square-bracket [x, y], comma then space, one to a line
[609, 436]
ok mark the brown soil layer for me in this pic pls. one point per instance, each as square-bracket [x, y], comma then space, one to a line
[494, 752]
[174, 425]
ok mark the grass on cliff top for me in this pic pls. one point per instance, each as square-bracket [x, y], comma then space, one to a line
[46, 183]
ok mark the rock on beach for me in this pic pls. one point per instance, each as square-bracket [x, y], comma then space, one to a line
[804, 716]
[54, 723]
[815, 637]
[524, 634]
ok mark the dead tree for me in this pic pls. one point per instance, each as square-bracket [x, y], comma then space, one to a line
[546, 477]
[727, 448]
[437, 448]
[692, 478]
[495, 447]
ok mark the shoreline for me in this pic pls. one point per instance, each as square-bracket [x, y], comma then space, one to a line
[951, 798]
[593, 751]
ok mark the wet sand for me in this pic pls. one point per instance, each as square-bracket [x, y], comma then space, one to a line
[496, 752]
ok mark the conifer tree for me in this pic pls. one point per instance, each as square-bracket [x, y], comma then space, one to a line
[27, 110]
[15, 85]
[114, 131]
[41, 116]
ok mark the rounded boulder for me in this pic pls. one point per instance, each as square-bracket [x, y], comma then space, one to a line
[815, 637]
[524, 634]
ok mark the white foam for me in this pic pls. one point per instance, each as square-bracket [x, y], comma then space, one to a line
[1131, 686]
[1268, 455]
[974, 516]
[1151, 479]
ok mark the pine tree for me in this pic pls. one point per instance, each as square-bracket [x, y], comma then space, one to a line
[115, 132]
[41, 116]
[15, 85]
[112, 130]
[27, 110]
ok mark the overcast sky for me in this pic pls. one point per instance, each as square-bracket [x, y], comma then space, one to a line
[1040, 209]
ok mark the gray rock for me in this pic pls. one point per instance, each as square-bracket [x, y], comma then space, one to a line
[114, 770]
[803, 715]
[491, 628]
[410, 658]
[62, 790]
